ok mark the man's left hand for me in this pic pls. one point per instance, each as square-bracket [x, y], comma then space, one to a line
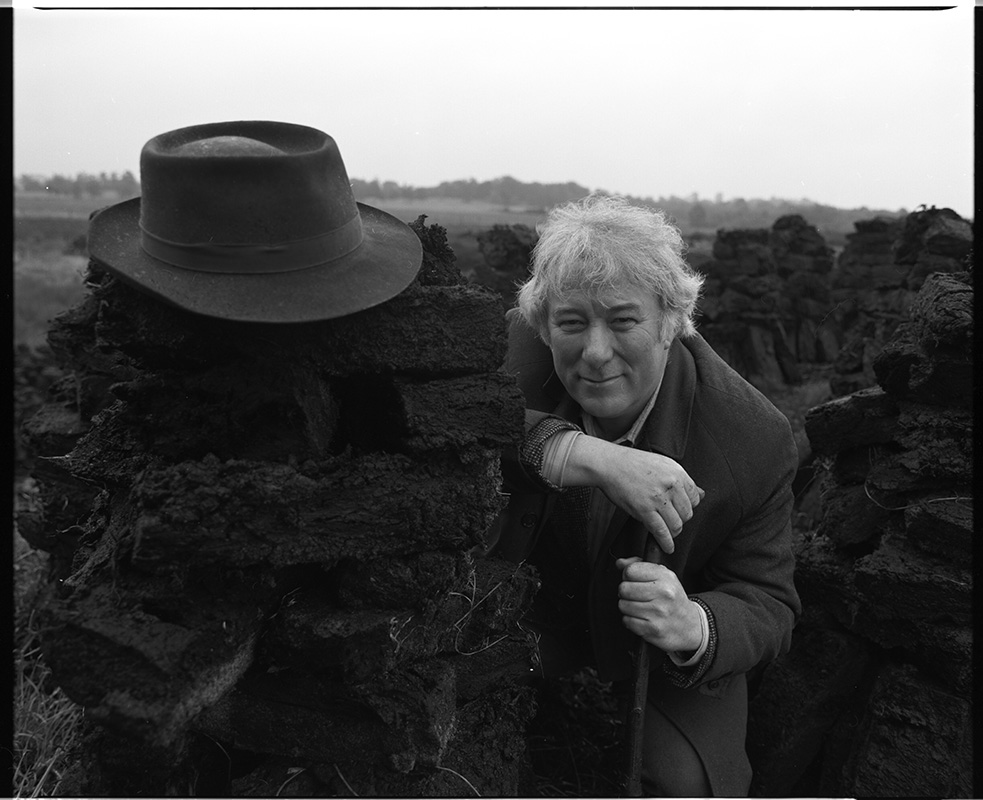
[655, 606]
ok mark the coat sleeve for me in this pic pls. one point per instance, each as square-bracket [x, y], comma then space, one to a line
[750, 596]
[522, 466]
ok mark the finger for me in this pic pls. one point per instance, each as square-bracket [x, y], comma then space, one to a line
[641, 593]
[643, 571]
[670, 516]
[634, 609]
[683, 507]
[660, 532]
[653, 616]
[621, 563]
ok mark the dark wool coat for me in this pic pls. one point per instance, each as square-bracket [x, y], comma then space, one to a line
[734, 555]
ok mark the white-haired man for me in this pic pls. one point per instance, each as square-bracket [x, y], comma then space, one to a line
[636, 429]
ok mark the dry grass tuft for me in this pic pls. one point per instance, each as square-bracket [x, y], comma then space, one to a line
[46, 723]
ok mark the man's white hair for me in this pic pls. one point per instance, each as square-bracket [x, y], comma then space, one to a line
[603, 243]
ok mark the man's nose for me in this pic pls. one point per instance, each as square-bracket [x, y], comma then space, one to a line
[598, 346]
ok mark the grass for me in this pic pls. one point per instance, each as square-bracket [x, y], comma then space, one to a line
[46, 283]
[52, 205]
[47, 725]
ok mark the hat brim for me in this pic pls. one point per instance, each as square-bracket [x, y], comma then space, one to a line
[386, 262]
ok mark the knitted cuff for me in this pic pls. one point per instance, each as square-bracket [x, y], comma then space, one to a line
[685, 678]
[533, 445]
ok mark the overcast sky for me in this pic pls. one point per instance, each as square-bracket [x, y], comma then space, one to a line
[844, 107]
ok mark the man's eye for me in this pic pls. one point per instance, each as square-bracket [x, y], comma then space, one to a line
[624, 322]
[570, 324]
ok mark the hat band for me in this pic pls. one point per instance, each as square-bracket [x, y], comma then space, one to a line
[256, 259]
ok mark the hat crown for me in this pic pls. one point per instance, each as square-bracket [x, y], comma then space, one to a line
[227, 146]
[243, 183]
[253, 222]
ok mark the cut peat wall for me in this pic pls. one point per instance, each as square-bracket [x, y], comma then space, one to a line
[874, 698]
[266, 537]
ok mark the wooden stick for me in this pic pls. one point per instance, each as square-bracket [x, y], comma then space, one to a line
[639, 696]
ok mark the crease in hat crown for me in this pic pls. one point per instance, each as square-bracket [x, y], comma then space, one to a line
[253, 221]
[225, 225]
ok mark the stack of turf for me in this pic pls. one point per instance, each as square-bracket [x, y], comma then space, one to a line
[276, 580]
[506, 252]
[766, 301]
[804, 260]
[875, 696]
[871, 300]
[933, 240]
[884, 263]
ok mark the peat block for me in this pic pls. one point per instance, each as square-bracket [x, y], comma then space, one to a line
[477, 609]
[901, 583]
[942, 525]
[912, 368]
[242, 513]
[427, 329]
[868, 416]
[943, 311]
[914, 739]
[457, 412]
[850, 516]
[400, 721]
[896, 598]
[164, 651]
[800, 698]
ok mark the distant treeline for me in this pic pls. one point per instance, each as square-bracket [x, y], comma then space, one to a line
[506, 192]
[82, 185]
[692, 213]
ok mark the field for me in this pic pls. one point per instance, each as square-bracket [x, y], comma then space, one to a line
[453, 213]
[48, 262]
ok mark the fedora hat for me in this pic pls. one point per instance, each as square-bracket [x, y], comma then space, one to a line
[253, 221]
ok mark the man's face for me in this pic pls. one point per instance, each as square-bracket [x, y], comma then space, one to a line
[607, 353]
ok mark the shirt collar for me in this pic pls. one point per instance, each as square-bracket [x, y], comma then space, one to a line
[630, 437]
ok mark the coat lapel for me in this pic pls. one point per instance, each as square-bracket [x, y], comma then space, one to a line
[665, 431]
[667, 427]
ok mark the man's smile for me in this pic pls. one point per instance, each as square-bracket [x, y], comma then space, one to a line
[599, 381]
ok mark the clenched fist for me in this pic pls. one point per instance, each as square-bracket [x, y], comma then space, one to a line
[655, 606]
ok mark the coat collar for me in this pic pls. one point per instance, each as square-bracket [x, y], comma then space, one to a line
[667, 428]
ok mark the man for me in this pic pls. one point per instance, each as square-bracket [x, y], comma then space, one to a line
[635, 428]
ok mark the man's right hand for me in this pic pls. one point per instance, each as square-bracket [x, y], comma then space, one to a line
[652, 488]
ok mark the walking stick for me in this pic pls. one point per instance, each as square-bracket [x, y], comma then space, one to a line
[639, 696]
